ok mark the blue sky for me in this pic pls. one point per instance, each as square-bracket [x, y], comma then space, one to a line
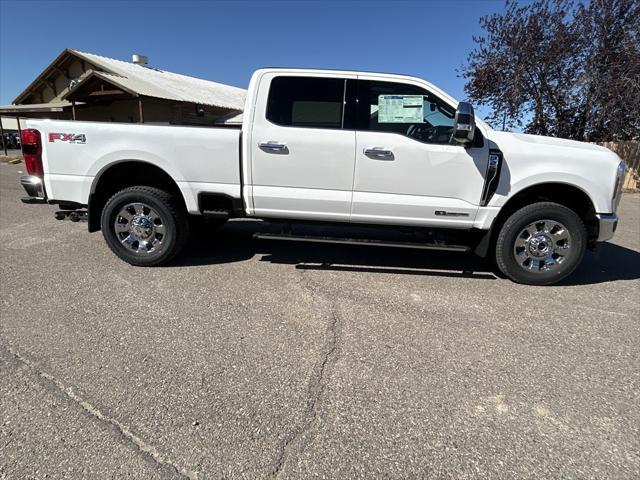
[226, 41]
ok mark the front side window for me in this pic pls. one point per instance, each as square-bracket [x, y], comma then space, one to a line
[404, 109]
[306, 102]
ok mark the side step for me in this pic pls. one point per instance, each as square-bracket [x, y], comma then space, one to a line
[358, 241]
[218, 214]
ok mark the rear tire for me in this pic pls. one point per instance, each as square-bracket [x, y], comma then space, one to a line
[541, 244]
[144, 226]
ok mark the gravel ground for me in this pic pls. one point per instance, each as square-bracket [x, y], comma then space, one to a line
[257, 359]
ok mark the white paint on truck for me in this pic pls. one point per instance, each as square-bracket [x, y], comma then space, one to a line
[338, 159]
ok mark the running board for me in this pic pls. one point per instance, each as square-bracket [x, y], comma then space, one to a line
[216, 214]
[357, 241]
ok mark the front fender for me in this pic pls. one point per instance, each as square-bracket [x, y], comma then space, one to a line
[597, 194]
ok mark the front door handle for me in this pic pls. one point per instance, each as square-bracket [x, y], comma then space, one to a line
[273, 147]
[378, 153]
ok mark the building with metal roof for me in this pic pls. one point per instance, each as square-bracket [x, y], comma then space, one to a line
[84, 86]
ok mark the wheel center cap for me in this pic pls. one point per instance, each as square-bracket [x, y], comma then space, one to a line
[141, 226]
[540, 245]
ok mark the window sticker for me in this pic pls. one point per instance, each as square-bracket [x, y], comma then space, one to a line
[400, 108]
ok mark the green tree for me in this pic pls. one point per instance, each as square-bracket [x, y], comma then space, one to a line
[561, 68]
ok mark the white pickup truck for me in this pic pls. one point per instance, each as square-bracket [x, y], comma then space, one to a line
[387, 151]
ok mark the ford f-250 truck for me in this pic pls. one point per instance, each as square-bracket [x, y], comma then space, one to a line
[388, 151]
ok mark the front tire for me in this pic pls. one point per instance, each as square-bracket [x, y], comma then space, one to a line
[541, 244]
[144, 226]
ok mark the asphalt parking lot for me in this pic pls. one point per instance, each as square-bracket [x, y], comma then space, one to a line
[257, 359]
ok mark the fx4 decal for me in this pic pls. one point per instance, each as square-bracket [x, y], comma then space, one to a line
[68, 137]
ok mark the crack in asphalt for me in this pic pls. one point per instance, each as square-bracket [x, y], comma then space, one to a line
[124, 431]
[317, 386]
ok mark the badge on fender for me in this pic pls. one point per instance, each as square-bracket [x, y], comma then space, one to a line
[68, 137]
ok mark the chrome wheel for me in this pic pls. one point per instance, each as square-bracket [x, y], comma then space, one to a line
[542, 246]
[139, 228]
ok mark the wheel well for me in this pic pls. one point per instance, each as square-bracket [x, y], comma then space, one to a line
[561, 193]
[122, 175]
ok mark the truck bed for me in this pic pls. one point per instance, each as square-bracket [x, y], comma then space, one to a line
[199, 159]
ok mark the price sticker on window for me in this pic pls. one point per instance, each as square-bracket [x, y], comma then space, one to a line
[400, 108]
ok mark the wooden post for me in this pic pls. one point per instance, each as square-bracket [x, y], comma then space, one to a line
[73, 109]
[19, 129]
[4, 143]
[140, 112]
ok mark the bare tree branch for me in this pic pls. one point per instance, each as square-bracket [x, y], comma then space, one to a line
[567, 68]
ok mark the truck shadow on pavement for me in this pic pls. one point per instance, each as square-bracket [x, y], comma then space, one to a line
[610, 262]
[235, 243]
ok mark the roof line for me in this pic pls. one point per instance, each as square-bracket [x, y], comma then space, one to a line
[103, 77]
[40, 77]
[37, 107]
[85, 56]
[346, 70]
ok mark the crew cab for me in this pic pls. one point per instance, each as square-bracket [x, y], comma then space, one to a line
[335, 147]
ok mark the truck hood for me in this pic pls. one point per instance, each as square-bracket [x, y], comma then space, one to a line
[523, 140]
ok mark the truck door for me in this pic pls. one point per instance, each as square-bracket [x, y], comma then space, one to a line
[407, 170]
[302, 157]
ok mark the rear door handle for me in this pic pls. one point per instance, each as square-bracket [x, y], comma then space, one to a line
[378, 153]
[273, 147]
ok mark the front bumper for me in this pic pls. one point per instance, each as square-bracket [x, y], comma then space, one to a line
[608, 222]
[34, 188]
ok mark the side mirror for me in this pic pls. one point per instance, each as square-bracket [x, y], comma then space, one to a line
[464, 124]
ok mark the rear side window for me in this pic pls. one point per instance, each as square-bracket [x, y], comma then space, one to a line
[306, 102]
